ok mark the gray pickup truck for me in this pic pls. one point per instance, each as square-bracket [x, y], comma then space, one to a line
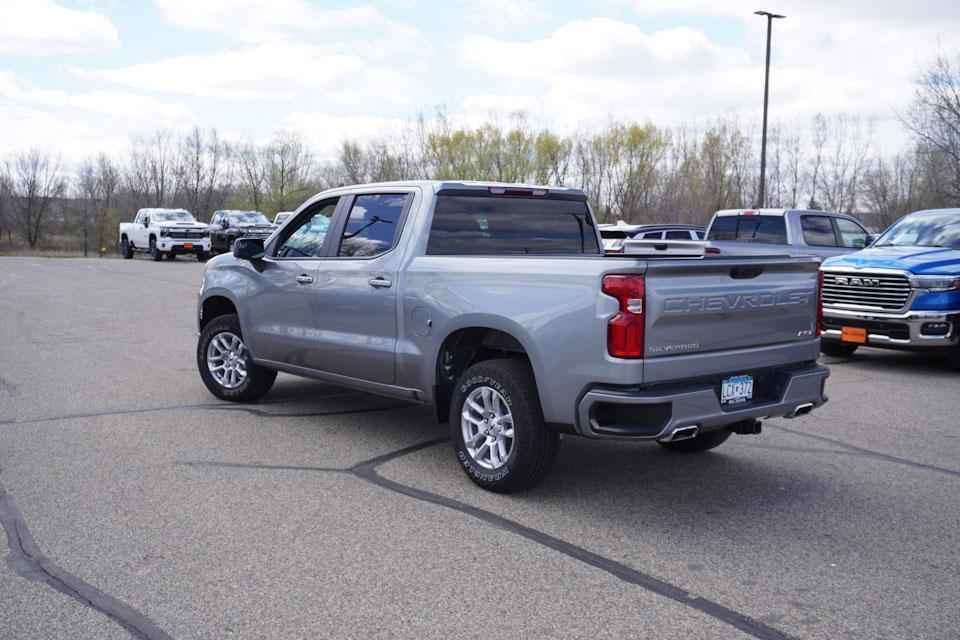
[495, 304]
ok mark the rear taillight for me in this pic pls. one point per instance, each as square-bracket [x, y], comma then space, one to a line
[819, 301]
[711, 251]
[625, 330]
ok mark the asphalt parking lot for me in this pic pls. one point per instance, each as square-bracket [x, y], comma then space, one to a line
[134, 503]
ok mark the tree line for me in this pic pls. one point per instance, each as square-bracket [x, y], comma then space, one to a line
[634, 171]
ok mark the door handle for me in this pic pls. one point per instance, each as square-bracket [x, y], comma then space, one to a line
[380, 283]
[304, 279]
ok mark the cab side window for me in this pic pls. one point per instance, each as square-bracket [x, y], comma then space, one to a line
[306, 237]
[851, 234]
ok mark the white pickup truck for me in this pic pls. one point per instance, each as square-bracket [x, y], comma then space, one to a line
[165, 232]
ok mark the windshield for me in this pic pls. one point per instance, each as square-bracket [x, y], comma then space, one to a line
[248, 217]
[173, 216]
[923, 230]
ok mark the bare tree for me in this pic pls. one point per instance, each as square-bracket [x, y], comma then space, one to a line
[35, 179]
[289, 170]
[935, 118]
[251, 162]
[201, 171]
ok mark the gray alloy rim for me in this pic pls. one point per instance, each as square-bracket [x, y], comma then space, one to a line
[487, 426]
[226, 360]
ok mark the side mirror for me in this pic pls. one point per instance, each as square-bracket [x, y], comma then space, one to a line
[869, 240]
[224, 224]
[146, 221]
[248, 248]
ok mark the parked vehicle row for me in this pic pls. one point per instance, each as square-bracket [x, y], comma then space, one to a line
[496, 305]
[172, 232]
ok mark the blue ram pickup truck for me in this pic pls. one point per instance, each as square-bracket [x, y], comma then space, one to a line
[902, 292]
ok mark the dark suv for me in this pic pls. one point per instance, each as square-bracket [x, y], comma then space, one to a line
[228, 225]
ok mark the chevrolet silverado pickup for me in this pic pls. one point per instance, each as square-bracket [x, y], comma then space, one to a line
[903, 292]
[791, 231]
[164, 232]
[496, 305]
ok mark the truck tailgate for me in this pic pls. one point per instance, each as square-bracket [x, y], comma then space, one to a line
[717, 304]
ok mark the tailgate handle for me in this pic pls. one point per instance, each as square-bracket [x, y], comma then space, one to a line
[745, 273]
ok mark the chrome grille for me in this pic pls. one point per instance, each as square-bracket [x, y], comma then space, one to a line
[187, 234]
[865, 289]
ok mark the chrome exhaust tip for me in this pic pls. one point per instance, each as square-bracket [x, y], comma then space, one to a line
[681, 433]
[800, 410]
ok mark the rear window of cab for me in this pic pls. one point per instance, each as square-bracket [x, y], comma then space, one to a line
[759, 229]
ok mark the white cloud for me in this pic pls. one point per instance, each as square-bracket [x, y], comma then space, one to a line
[588, 70]
[270, 71]
[501, 16]
[44, 27]
[362, 29]
[79, 124]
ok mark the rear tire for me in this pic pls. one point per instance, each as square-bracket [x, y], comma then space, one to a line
[126, 251]
[255, 381]
[837, 349]
[202, 256]
[506, 399]
[155, 253]
[698, 443]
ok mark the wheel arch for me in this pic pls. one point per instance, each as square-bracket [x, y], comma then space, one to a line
[470, 343]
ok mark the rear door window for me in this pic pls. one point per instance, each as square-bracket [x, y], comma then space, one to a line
[373, 225]
[494, 225]
[760, 229]
[651, 235]
[818, 231]
[677, 235]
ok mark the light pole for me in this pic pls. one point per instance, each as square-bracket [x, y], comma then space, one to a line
[766, 97]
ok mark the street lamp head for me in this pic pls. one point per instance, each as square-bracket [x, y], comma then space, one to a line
[769, 15]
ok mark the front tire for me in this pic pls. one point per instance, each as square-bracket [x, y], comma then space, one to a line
[837, 349]
[497, 427]
[698, 443]
[155, 253]
[225, 364]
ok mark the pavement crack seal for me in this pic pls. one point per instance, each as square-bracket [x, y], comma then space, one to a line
[209, 405]
[367, 470]
[869, 453]
[28, 561]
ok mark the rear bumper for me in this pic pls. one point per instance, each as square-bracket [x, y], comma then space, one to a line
[653, 413]
[913, 329]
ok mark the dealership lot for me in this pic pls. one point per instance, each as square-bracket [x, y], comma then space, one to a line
[135, 503]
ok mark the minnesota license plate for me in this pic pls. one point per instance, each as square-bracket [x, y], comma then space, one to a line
[736, 389]
[188, 245]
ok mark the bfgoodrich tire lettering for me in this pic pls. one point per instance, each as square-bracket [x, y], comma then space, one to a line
[533, 448]
[256, 381]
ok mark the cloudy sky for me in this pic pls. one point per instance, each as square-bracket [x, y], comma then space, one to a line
[84, 75]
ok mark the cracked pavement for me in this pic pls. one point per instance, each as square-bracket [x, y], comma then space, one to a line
[133, 503]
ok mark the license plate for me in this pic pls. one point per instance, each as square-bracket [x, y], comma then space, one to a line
[853, 334]
[736, 389]
[188, 245]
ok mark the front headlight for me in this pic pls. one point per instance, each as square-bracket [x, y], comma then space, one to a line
[935, 283]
